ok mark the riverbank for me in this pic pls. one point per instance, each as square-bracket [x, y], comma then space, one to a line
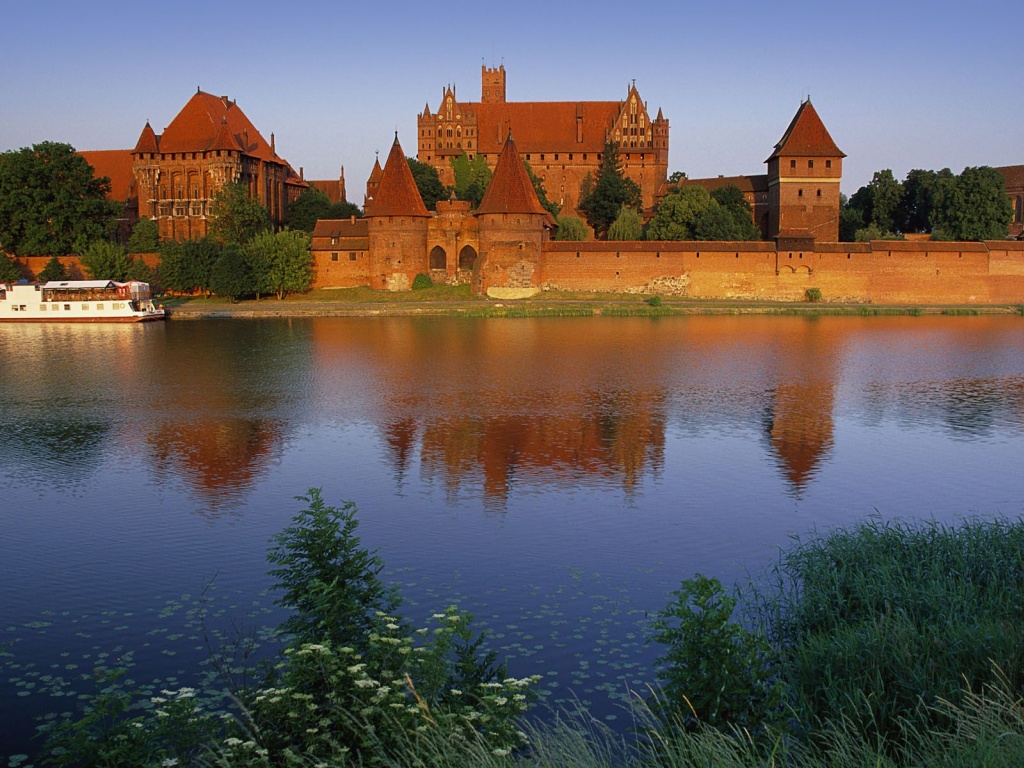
[447, 301]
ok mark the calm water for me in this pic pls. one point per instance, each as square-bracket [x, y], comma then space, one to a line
[556, 477]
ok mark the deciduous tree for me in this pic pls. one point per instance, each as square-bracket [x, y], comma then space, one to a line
[971, 206]
[104, 260]
[54, 270]
[627, 226]
[10, 272]
[236, 216]
[428, 182]
[51, 204]
[231, 275]
[571, 227]
[145, 237]
[281, 262]
[471, 178]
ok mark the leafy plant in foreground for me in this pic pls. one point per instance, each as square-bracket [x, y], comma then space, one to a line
[715, 671]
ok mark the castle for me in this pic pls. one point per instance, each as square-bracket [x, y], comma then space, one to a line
[563, 141]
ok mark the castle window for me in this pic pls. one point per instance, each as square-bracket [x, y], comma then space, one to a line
[810, 163]
[792, 163]
[351, 255]
[334, 257]
[828, 163]
[799, 193]
[542, 158]
[570, 155]
[819, 193]
[556, 155]
[527, 158]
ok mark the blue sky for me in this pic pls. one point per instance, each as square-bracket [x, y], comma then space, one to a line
[899, 85]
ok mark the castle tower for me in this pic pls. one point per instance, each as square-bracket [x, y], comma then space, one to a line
[492, 85]
[513, 225]
[804, 173]
[398, 222]
[372, 186]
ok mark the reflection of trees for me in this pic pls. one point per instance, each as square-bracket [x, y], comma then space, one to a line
[218, 458]
[967, 408]
[53, 449]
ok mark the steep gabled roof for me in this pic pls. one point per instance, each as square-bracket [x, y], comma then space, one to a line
[116, 165]
[510, 190]
[224, 139]
[806, 136]
[201, 122]
[545, 126]
[398, 195]
[147, 140]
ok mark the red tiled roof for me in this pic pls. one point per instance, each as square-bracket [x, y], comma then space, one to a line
[147, 140]
[806, 136]
[398, 195]
[224, 140]
[544, 126]
[376, 173]
[1014, 176]
[333, 188]
[510, 190]
[757, 183]
[115, 164]
[198, 126]
[342, 228]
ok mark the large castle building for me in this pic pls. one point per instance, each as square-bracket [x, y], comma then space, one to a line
[173, 177]
[562, 141]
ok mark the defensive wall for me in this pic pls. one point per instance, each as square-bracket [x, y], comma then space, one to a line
[882, 271]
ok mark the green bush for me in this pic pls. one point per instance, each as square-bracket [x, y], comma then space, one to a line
[813, 295]
[422, 281]
[654, 301]
[715, 672]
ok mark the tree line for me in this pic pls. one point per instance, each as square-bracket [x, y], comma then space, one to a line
[972, 205]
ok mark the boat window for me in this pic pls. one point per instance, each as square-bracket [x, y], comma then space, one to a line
[42, 307]
[67, 306]
[85, 306]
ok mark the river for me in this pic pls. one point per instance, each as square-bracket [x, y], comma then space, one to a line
[555, 477]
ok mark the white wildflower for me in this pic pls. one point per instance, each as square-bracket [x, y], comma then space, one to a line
[502, 752]
[168, 762]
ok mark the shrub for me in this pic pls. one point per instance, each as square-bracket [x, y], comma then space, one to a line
[715, 672]
[813, 295]
[422, 281]
[654, 301]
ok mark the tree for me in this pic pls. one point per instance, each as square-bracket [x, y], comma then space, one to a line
[886, 196]
[971, 206]
[471, 178]
[915, 211]
[50, 202]
[10, 272]
[145, 237]
[676, 176]
[742, 226]
[428, 182]
[231, 275]
[281, 262]
[628, 225]
[104, 260]
[677, 214]
[571, 228]
[331, 584]
[610, 192]
[186, 267]
[236, 216]
[53, 271]
[343, 209]
[307, 208]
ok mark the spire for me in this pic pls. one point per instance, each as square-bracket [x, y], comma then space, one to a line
[398, 195]
[806, 136]
[510, 190]
[223, 139]
[147, 141]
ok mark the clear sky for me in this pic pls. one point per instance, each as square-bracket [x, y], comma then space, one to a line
[899, 85]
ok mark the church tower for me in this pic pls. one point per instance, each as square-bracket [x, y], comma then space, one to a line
[804, 173]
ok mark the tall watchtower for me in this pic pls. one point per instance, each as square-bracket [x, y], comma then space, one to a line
[492, 85]
[804, 173]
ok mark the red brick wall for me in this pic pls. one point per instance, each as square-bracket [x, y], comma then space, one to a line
[879, 272]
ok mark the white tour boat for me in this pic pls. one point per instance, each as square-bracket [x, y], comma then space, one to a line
[78, 301]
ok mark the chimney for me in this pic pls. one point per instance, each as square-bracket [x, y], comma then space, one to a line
[301, 174]
[272, 150]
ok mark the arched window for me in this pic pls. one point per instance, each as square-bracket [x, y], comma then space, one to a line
[438, 258]
[467, 256]
[1018, 213]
